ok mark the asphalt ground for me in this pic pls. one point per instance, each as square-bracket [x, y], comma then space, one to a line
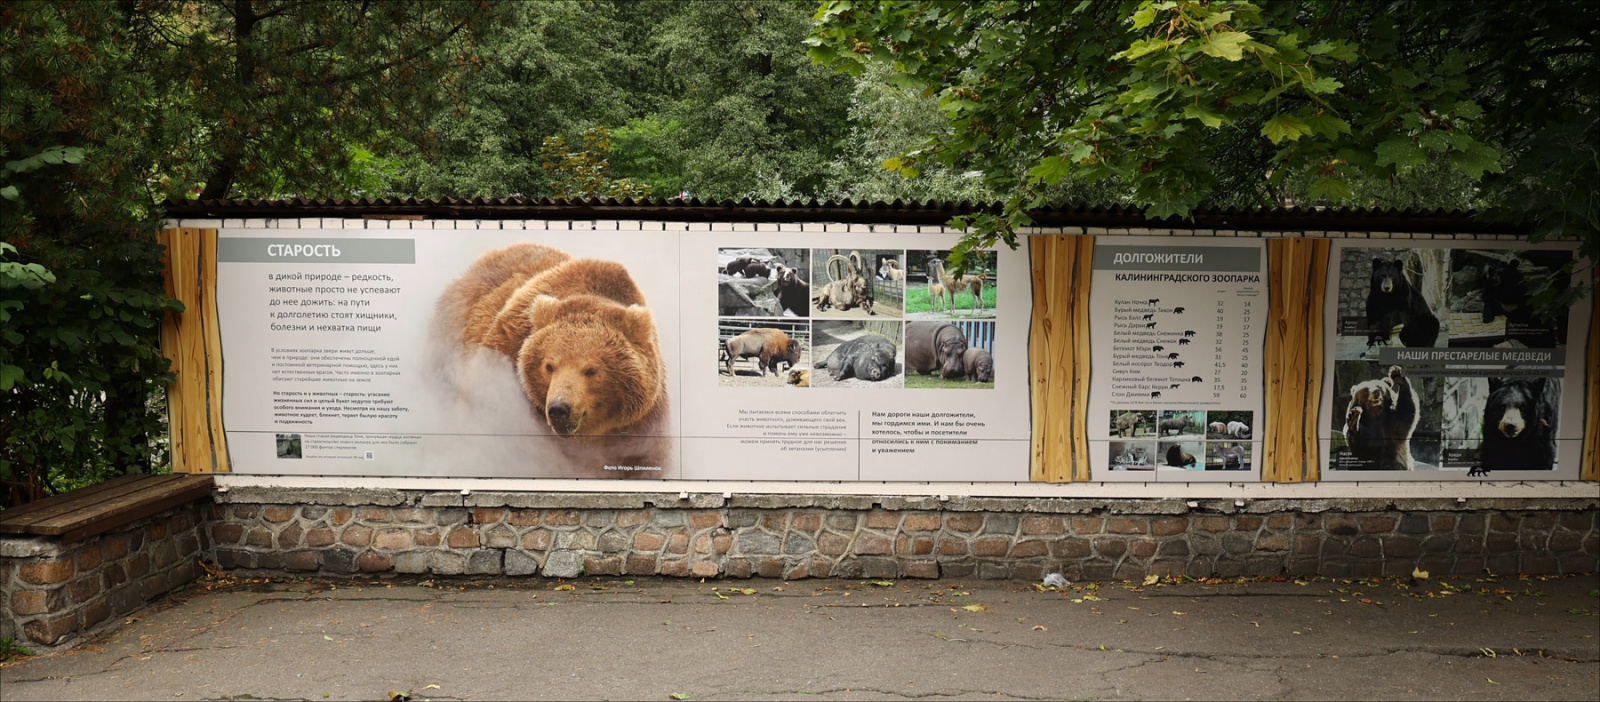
[1505, 638]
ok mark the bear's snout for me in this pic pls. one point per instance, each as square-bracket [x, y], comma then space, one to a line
[1512, 424]
[559, 413]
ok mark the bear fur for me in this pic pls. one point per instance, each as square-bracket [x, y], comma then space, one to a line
[1519, 425]
[1238, 430]
[582, 347]
[1394, 300]
[1380, 420]
[794, 294]
[736, 266]
[1505, 291]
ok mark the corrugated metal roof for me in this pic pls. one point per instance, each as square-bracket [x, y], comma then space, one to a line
[897, 212]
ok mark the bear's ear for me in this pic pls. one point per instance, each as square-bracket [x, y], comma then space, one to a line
[638, 325]
[1377, 261]
[1494, 384]
[543, 310]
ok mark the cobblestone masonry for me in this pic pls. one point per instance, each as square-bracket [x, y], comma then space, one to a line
[52, 594]
[774, 536]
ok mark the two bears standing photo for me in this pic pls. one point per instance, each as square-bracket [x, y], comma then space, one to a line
[1400, 417]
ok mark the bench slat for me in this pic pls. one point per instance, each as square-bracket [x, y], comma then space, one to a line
[191, 488]
[151, 491]
[17, 520]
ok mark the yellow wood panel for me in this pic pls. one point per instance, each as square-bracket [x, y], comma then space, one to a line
[1277, 331]
[1083, 269]
[1590, 469]
[1058, 453]
[1039, 354]
[1295, 292]
[189, 340]
[1316, 331]
[1297, 278]
[1058, 356]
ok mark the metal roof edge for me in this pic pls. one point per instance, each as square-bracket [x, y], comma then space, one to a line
[897, 212]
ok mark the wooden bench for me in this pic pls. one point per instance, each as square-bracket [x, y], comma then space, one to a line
[85, 512]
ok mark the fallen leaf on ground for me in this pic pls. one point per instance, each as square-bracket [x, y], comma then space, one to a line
[975, 608]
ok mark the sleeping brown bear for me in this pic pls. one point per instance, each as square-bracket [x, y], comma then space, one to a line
[581, 342]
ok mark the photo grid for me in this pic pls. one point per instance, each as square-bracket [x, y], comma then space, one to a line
[882, 318]
[1198, 440]
[1409, 415]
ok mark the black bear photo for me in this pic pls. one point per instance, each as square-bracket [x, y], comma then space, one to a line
[1519, 424]
[1505, 291]
[1394, 300]
[1495, 297]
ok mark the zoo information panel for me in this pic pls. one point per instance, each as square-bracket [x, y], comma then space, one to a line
[736, 355]
[1175, 388]
[1442, 366]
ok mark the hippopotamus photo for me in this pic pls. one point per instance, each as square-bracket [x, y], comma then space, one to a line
[936, 347]
[869, 357]
[979, 365]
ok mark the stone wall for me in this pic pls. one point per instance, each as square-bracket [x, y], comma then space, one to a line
[784, 536]
[52, 594]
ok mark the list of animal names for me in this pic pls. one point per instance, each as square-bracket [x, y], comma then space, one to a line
[1176, 351]
[1190, 354]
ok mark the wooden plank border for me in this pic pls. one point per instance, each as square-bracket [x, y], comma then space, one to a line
[1297, 277]
[190, 340]
[1058, 356]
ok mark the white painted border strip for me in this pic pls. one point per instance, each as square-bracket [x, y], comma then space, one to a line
[1189, 491]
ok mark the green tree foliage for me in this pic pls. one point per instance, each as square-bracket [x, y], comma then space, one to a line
[279, 94]
[82, 300]
[110, 107]
[553, 69]
[715, 98]
[586, 172]
[1180, 104]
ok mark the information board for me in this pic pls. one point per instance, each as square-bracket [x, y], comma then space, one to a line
[1442, 365]
[1176, 377]
[555, 350]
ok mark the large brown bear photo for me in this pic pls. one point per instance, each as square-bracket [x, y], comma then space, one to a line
[575, 337]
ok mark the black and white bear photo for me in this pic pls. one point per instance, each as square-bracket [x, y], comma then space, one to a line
[1461, 425]
[1391, 297]
[1495, 296]
[1519, 424]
